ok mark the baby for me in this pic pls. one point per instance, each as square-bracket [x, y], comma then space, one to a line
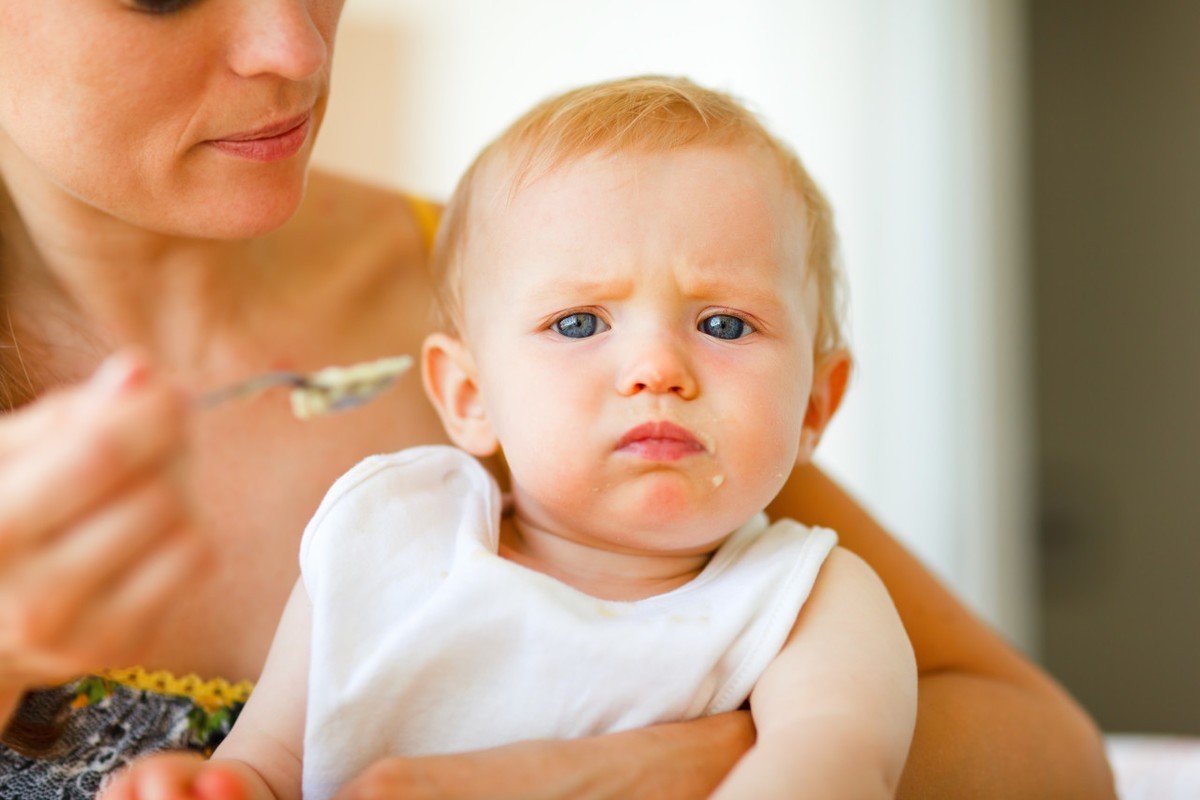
[640, 309]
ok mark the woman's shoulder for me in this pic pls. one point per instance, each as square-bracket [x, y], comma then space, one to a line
[356, 256]
[368, 232]
[339, 199]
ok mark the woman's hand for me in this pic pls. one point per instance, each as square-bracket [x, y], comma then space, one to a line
[674, 760]
[96, 534]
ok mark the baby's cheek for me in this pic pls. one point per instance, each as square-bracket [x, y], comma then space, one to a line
[545, 451]
[776, 429]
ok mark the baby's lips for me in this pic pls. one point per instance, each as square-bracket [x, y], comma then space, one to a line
[663, 430]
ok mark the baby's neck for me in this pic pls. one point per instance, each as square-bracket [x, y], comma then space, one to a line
[598, 569]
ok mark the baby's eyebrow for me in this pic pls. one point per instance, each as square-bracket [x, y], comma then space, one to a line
[739, 288]
[735, 288]
[581, 287]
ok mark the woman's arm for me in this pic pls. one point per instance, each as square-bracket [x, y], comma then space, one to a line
[989, 723]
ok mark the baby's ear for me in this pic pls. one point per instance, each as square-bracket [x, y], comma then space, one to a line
[831, 374]
[451, 381]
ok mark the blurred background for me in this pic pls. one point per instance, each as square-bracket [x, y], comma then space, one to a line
[1018, 194]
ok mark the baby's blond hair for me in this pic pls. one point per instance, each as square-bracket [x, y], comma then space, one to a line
[644, 114]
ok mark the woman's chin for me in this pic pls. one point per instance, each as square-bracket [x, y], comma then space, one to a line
[240, 215]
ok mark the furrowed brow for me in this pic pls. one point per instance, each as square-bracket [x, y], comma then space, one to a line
[580, 289]
[734, 289]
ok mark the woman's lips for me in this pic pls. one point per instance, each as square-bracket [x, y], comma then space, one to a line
[271, 143]
[660, 441]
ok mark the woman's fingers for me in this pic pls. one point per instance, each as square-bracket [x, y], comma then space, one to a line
[69, 452]
[56, 585]
[96, 533]
[139, 601]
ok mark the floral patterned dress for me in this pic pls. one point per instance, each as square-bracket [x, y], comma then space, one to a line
[108, 720]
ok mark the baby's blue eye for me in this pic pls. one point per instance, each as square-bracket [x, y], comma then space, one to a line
[580, 326]
[725, 326]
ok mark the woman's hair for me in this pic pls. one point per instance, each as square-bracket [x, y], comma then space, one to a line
[16, 387]
[647, 114]
[25, 733]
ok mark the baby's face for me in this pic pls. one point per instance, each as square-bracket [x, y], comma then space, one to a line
[643, 331]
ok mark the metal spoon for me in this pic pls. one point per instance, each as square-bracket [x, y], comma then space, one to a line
[322, 392]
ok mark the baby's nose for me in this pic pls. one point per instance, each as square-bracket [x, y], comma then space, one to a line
[659, 367]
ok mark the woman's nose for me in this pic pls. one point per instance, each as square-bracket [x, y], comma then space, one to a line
[657, 365]
[283, 37]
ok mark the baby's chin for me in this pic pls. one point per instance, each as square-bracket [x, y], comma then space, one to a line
[667, 513]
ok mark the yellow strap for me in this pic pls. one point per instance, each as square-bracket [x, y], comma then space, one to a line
[428, 215]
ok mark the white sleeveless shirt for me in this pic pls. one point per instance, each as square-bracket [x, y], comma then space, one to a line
[425, 641]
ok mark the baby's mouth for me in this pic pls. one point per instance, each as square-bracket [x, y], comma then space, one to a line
[660, 441]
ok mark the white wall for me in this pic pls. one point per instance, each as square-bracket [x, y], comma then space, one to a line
[908, 113]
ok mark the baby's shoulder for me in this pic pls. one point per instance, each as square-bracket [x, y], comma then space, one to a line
[422, 476]
[396, 499]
